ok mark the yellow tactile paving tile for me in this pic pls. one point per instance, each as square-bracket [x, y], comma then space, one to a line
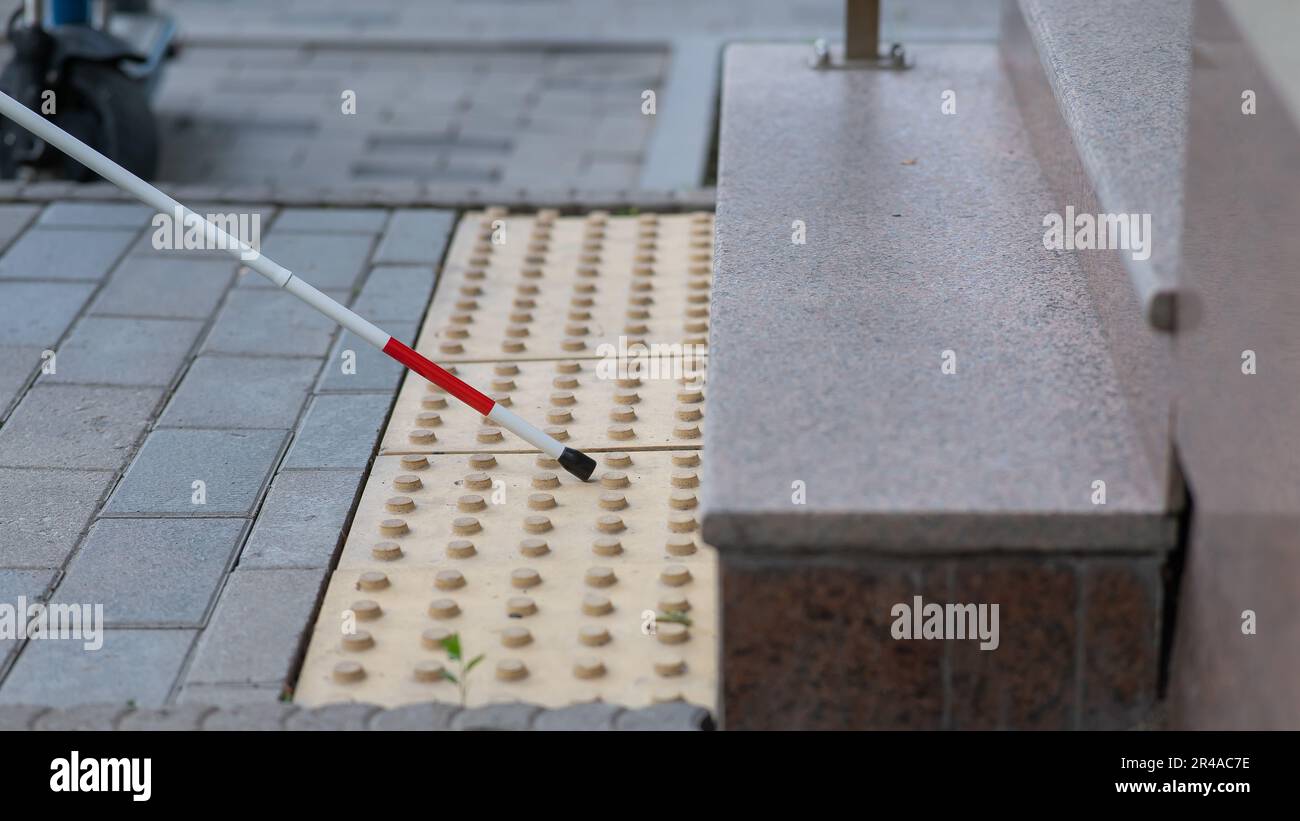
[570, 591]
[578, 402]
[552, 580]
[547, 287]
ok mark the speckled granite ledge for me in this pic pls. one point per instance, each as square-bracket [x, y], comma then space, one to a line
[833, 426]
[1119, 70]
[1109, 144]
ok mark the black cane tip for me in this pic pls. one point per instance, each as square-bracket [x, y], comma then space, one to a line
[577, 463]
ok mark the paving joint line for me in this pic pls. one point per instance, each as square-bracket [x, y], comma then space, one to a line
[167, 393]
[34, 373]
[295, 662]
[60, 572]
[255, 513]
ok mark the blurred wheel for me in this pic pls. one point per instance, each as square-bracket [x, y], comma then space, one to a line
[109, 112]
[17, 147]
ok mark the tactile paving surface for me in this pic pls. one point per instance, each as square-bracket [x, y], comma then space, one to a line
[571, 592]
[549, 287]
[548, 578]
[576, 401]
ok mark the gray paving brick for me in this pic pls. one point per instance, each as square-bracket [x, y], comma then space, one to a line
[327, 261]
[345, 716]
[332, 220]
[13, 220]
[56, 253]
[17, 364]
[96, 191]
[31, 585]
[184, 717]
[415, 236]
[233, 464]
[234, 203]
[414, 717]
[271, 322]
[132, 666]
[241, 392]
[396, 292]
[76, 426]
[168, 288]
[370, 369]
[529, 168]
[513, 716]
[469, 170]
[606, 174]
[116, 351]
[20, 716]
[674, 715]
[143, 248]
[152, 572]
[83, 717]
[231, 694]
[632, 132]
[258, 628]
[48, 189]
[39, 313]
[302, 520]
[151, 244]
[45, 512]
[339, 431]
[72, 214]
[270, 716]
[596, 715]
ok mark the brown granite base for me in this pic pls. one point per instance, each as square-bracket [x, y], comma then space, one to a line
[807, 644]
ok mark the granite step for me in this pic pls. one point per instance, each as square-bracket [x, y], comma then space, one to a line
[1103, 92]
[918, 399]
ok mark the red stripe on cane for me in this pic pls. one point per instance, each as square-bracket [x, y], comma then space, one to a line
[438, 376]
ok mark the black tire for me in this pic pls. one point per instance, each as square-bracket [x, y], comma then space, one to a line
[16, 145]
[110, 112]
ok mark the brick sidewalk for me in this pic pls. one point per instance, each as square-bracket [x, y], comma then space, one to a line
[170, 356]
[512, 117]
[161, 378]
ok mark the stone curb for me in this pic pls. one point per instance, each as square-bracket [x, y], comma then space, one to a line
[390, 195]
[518, 716]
